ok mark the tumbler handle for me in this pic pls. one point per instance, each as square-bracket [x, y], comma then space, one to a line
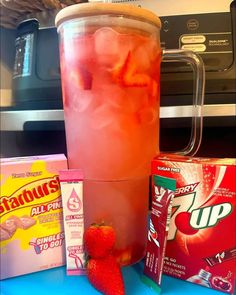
[198, 98]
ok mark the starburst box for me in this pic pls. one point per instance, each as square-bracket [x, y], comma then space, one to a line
[201, 246]
[31, 228]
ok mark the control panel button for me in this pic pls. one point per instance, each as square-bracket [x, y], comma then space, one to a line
[189, 39]
[192, 24]
[194, 47]
[165, 26]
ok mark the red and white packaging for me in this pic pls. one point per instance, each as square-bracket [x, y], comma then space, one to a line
[201, 246]
[163, 189]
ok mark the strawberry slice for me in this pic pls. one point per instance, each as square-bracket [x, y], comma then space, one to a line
[74, 80]
[127, 75]
[81, 78]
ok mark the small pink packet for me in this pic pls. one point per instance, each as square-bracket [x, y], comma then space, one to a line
[71, 182]
[162, 196]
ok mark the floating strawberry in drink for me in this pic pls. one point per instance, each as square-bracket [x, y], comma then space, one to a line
[127, 75]
[81, 78]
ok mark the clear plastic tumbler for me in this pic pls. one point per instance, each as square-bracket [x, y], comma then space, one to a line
[110, 59]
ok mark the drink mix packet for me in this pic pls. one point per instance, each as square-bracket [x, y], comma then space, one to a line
[71, 182]
[201, 243]
[163, 189]
[31, 227]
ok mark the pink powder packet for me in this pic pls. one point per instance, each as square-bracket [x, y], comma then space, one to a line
[163, 189]
[71, 182]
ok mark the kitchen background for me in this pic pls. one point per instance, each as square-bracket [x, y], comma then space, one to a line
[31, 108]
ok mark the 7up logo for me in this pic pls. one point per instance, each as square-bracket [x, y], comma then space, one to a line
[209, 216]
[189, 221]
[152, 234]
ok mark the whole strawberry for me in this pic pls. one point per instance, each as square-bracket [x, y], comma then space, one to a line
[99, 240]
[105, 275]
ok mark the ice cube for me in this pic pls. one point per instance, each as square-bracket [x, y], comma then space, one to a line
[145, 55]
[106, 46]
[80, 48]
[127, 44]
[116, 97]
[101, 117]
[106, 41]
[142, 60]
[83, 101]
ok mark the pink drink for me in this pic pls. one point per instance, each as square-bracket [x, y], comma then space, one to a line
[110, 81]
[111, 113]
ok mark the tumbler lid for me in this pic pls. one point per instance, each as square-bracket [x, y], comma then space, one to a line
[89, 9]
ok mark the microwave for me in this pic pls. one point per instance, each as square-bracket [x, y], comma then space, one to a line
[209, 30]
